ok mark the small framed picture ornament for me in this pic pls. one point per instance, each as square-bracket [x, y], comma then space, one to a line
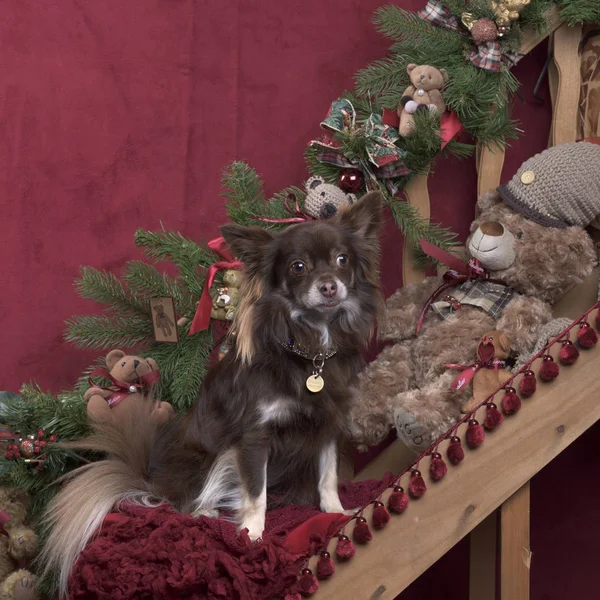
[164, 320]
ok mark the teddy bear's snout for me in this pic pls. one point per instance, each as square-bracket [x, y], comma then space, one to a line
[492, 228]
[493, 245]
[328, 210]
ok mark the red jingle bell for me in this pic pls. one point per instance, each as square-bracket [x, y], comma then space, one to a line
[568, 353]
[528, 383]
[417, 486]
[398, 501]
[351, 181]
[511, 403]
[493, 417]
[475, 434]
[455, 452]
[587, 336]
[549, 369]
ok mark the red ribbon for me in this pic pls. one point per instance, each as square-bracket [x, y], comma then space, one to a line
[485, 351]
[122, 389]
[299, 218]
[458, 273]
[201, 319]
[4, 519]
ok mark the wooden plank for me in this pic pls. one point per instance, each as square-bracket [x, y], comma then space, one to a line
[489, 168]
[417, 195]
[548, 422]
[515, 552]
[482, 560]
[531, 39]
[568, 70]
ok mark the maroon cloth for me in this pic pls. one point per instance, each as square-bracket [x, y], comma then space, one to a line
[160, 554]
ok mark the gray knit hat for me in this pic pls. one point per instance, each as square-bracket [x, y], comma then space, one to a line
[559, 187]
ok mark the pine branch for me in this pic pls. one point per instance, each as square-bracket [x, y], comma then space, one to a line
[399, 25]
[185, 254]
[106, 332]
[105, 288]
[575, 12]
[145, 281]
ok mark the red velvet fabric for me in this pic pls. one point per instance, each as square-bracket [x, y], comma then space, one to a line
[118, 115]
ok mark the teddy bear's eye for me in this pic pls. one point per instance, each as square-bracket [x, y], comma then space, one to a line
[123, 363]
[520, 235]
[322, 194]
[491, 339]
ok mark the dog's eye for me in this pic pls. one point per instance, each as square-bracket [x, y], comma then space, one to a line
[298, 267]
[342, 260]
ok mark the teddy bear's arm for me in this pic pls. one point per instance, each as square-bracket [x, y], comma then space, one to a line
[404, 307]
[96, 391]
[522, 320]
[435, 98]
[408, 94]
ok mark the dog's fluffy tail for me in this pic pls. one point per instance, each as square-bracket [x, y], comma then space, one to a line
[92, 492]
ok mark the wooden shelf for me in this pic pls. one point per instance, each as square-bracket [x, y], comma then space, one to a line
[547, 423]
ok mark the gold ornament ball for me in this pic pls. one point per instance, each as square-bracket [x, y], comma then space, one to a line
[484, 30]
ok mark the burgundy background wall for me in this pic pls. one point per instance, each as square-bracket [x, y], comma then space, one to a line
[117, 115]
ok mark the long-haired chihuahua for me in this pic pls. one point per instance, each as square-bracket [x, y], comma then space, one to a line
[271, 414]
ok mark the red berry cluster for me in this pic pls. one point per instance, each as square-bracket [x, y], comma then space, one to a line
[37, 444]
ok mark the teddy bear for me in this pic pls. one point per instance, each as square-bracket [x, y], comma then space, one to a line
[488, 373]
[324, 199]
[227, 297]
[424, 93]
[133, 378]
[527, 248]
[18, 545]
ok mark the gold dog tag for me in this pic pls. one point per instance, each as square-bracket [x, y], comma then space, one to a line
[315, 383]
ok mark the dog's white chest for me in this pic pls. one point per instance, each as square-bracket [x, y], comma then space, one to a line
[277, 412]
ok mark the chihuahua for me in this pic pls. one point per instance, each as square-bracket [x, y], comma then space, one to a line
[271, 414]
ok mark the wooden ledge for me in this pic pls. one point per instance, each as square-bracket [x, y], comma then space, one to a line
[556, 415]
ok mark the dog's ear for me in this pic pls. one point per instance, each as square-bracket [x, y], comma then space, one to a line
[248, 244]
[363, 217]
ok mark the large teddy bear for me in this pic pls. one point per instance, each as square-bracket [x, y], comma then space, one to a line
[423, 93]
[530, 238]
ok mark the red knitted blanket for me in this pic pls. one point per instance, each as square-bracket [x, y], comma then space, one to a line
[160, 554]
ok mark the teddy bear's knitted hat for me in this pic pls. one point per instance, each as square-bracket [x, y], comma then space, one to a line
[559, 187]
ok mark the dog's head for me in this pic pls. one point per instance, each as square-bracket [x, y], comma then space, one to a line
[322, 274]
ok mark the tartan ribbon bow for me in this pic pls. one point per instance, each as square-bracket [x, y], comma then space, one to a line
[486, 360]
[201, 319]
[459, 272]
[384, 157]
[486, 55]
[122, 389]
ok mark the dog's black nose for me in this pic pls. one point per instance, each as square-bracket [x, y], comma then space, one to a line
[136, 363]
[328, 288]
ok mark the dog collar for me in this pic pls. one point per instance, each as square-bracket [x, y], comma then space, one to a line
[307, 353]
[314, 382]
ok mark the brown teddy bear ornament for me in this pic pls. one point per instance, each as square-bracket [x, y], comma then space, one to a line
[18, 545]
[227, 297]
[527, 248]
[487, 373]
[132, 378]
[424, 93]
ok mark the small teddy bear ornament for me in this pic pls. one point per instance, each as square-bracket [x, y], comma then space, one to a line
[323, 200]
[424, 93]
[488, 373]
[18, 545]
[132, 378]
[227, 297]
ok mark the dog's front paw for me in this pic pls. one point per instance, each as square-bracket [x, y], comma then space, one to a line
[255, 527]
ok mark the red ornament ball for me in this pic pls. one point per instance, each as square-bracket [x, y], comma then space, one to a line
[475, 434]
[493, 417]
[351, 181]
[549, 369]
[587, 336]
[568, 353]
[528, 383]
[455, 452]
[27, 448]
